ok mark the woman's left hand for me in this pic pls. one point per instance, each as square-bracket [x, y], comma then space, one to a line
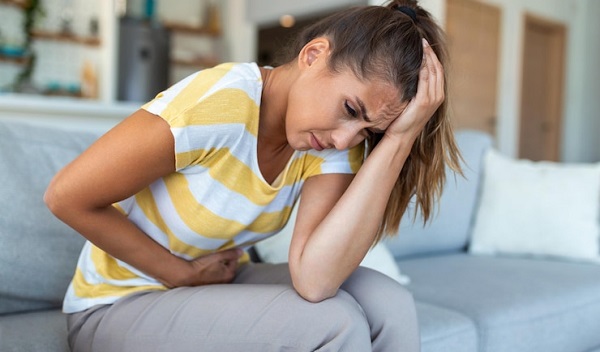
[430, 95]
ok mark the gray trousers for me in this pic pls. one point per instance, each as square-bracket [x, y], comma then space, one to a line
[260, 311]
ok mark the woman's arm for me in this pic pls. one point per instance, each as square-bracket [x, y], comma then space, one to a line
[122, 162]
[332, 236]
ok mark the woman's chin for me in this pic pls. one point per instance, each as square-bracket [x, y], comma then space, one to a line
[302, 147]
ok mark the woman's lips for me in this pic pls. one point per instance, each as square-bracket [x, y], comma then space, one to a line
[314, 143]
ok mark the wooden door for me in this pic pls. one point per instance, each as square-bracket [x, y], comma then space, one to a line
[473, 30]
[541, 89]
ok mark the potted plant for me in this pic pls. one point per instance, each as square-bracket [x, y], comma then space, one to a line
[32, 10]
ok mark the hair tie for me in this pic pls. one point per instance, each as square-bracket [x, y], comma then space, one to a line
[408, 11]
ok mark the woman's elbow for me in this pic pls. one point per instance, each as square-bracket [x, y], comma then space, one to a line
[313, 292]
[55, 199]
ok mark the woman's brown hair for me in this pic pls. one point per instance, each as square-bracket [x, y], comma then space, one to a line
[385, 42]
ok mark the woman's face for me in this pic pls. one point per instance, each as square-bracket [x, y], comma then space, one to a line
[327, 110]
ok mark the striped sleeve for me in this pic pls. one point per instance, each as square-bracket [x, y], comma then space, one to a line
[172, 104]
[204, 112]
[333, 161]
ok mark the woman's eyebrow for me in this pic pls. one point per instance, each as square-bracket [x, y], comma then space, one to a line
[363, 110]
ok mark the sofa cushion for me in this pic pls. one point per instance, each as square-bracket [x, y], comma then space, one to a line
[34, 331]
[449, 227]
[38, 252]
[443, 330]
[518, 304]
[15, 304]
[547, 209]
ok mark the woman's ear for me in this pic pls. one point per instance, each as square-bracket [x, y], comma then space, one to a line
[314, 50]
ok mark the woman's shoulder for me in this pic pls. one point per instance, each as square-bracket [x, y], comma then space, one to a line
[203, 83]
[235, 78]
[227, 93]
[244, 76]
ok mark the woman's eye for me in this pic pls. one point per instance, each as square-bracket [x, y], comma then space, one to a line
[349, 109]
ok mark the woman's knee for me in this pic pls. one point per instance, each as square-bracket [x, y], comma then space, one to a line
[389, 308]
[345, 322]
[368, 284]
[379, 292]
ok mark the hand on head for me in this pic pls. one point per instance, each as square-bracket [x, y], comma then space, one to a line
[430, 95]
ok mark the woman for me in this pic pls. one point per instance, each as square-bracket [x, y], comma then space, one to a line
[170, 197]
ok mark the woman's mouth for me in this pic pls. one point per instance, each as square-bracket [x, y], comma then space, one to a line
[314, 143]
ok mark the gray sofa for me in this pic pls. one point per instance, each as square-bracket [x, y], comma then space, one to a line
[486, 303]
[465, 303]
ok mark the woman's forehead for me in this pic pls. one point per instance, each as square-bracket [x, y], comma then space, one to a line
[379, 101]
[384, 100]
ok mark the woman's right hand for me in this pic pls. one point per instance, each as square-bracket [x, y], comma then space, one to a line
[215, 268]
[430, 95]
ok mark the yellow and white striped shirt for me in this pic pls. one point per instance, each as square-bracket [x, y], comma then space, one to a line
[217, 198]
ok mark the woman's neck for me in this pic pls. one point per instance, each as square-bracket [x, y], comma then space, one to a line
[274, 151]
[273, 105]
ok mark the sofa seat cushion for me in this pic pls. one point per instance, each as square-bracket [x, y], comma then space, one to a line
[34, 331]
[517, 304]
[443, 330]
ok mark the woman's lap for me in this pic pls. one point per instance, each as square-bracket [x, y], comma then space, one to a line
[259, 311]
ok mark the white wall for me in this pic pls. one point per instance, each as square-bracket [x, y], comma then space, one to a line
[582, 134]
[592, 88]
[240, 32]
[108, 57]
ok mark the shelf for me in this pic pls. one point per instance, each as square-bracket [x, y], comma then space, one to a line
[63, 94]
[18, 3]
[91, 41]
[12, 59]
[183, 28]
[200, 62]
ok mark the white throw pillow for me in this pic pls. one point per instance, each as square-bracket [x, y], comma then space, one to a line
[275, 250]
[540, 209]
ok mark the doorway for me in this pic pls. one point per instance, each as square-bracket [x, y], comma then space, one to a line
[473, 30]
[542, 89]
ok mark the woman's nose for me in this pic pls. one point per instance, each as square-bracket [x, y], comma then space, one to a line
[346, 138]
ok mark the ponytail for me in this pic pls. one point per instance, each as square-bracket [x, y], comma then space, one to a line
[385, 42]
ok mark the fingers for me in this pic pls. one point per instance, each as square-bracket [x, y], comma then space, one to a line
[222, 256]
[227, 258]
[429, 97]
[229, 262]
[230, 254]
[432, 75]
[219, 267]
